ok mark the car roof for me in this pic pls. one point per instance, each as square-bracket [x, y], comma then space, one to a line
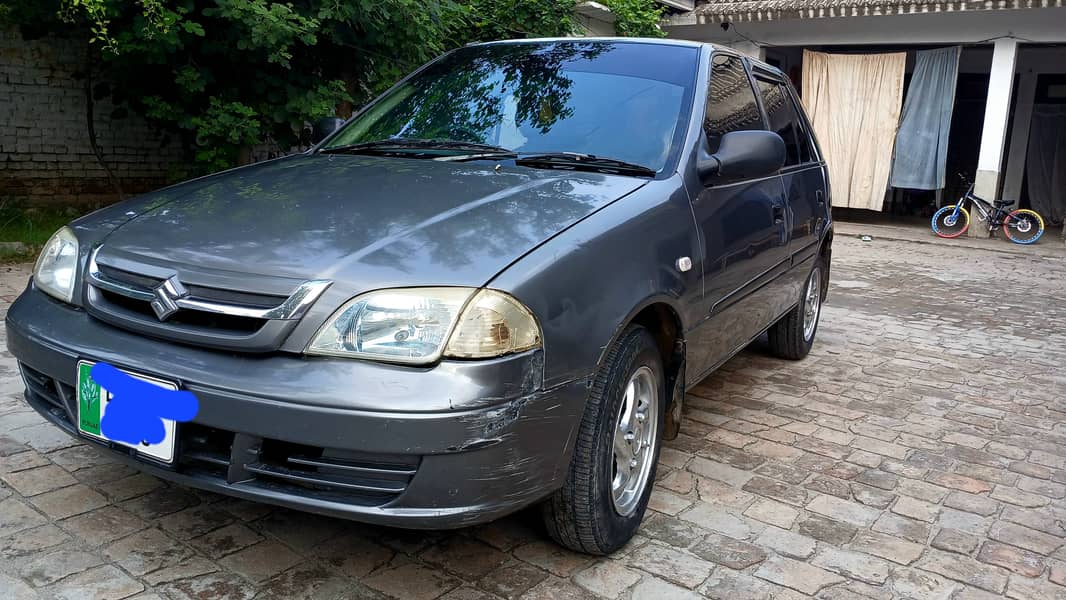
[633, 40]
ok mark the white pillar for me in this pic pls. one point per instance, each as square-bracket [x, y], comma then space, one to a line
[1019, 137]
[994, 132]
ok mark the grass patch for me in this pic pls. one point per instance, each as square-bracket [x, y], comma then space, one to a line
[29, 229]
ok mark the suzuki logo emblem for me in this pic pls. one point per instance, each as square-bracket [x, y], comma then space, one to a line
[166, 299]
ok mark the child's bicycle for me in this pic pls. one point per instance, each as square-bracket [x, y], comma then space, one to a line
[1022, 226]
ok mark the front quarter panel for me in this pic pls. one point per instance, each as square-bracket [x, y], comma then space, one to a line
[586, 283]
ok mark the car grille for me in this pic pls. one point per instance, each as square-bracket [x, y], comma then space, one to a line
[309, 471]
[187, 319]
[237, 459]
[156, 301]
[196, 291]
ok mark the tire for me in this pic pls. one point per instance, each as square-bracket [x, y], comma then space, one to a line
[1023, 226]
[585, 515]
[944, 225]
[792, 336]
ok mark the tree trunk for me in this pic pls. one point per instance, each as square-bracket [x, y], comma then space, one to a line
[90, 123]
[346, 108]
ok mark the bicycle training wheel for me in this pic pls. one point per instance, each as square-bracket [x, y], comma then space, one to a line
[950, 224]
[1023, 226]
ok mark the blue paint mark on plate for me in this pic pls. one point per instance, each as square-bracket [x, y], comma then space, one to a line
[137, 408]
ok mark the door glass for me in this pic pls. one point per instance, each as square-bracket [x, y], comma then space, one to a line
[804, 136]
[731, 102]
[783, 120]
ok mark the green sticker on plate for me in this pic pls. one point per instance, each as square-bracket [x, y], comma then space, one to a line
[89, 400]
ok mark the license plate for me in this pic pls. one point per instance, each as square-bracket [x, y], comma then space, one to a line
[92, 406]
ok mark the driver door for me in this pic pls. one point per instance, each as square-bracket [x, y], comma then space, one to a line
[743, 225]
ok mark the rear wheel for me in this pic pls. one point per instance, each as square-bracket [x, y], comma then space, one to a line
[949, 224]
[1023, 226]
[603, 500]
[793, 336]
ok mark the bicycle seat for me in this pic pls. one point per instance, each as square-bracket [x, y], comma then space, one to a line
[1003, 202]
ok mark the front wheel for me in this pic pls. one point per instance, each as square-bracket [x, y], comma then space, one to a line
[949, 223]
[1023, 226]
[603, 499]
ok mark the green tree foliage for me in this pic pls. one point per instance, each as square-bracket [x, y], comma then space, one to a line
[230, 74]
[637, 18]
[504, 19]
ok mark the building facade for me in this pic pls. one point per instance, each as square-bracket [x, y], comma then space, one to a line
[1008, 127]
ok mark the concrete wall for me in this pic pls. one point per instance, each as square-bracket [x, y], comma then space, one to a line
[45, 156]
[594, 19]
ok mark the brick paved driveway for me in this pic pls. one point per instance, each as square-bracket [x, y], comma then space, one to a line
[920, 452]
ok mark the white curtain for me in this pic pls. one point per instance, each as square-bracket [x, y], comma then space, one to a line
[922, 143]
[1046, 161]
[854, 103]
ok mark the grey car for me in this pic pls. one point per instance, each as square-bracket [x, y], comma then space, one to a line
[488, 289]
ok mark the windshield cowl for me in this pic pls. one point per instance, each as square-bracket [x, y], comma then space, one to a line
[400, 143]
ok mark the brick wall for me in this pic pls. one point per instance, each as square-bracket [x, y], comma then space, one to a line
[45, 156]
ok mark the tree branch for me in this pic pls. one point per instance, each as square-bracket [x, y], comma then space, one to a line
[90, 124]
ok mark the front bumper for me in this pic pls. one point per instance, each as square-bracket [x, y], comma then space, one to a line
[460, 443]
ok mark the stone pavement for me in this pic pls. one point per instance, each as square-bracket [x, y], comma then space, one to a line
[1050, 245]
[919, 452]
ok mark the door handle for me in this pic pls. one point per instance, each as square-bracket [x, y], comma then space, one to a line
[819, 196]
[779, 213]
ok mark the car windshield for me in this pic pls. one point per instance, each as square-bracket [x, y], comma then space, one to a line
[617, 100]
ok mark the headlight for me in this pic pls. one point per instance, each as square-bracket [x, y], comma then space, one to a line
[55, 268]
[419, 325]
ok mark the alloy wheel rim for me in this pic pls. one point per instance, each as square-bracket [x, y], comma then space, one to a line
[812, 304]
[634, 439]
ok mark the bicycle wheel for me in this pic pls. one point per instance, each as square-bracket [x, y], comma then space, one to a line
[950, 224]
[1023, 226]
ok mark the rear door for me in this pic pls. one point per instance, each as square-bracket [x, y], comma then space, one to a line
[803, 175]
[743, 225]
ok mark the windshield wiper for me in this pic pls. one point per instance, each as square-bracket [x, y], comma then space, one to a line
[572, 160]
[479, 151]
[401, 143]
[586, 161]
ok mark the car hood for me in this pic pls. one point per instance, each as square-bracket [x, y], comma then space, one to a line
[366, 222]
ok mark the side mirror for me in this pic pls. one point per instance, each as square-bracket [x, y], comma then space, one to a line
[324, 127]
[744, 155]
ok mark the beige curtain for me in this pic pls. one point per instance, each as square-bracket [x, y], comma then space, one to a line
[854, 102]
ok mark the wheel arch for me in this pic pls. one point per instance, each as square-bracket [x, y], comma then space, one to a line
[825, 253]
[826, 248]
[662, 319]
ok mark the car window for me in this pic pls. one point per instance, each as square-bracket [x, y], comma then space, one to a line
[783, 119]
[627, 101]
[807, 147]
[731, 102]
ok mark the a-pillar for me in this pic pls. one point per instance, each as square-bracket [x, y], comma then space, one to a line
[994, 132]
